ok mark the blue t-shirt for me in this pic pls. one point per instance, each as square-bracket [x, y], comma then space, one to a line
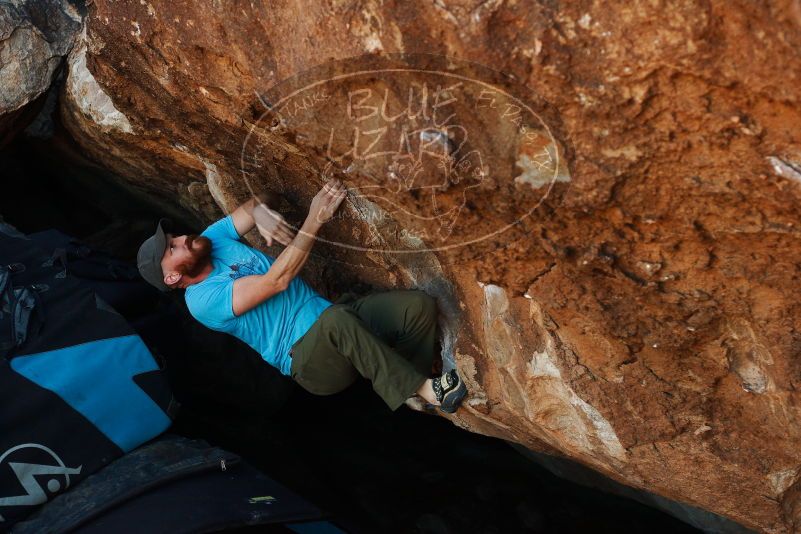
[273, 326]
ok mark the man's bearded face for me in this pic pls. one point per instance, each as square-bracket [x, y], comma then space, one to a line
[199, 256]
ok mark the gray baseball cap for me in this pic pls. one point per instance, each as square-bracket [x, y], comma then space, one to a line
[148, 260]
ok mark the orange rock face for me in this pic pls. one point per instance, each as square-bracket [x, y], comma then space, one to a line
[611, 225]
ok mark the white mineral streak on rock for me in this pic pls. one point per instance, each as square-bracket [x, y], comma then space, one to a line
[372, 43]
[557, 414]
[369, 28]
[630, 152]
[218, 185]
[603, 429]
[89, 97]
[422, 269]
[786, 169]
[501, 344]
[542, 366]
[477, 401]
[748, 357]
[538, 168]
[781, 480]
[440, 5]
[213, 181]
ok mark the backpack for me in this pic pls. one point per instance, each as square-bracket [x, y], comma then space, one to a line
[78, 387]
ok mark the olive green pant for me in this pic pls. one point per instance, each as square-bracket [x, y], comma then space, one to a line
[388, 338]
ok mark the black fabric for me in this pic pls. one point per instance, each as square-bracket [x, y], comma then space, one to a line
[21, 310]
[154, 384]
[116, 281]
[7, 302]
[36, 426]
[33, 417]
[64, 300]
[213, 500]
[172, 485]
[26, 307]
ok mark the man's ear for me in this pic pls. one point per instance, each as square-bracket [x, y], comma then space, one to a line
[172, 278]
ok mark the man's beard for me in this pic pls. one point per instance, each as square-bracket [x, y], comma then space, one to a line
[200, 249]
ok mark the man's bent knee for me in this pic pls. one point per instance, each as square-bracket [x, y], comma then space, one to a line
[423, 303]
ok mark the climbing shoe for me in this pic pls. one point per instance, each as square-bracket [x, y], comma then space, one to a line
[449, 390]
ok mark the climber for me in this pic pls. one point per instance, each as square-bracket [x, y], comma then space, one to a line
[388, 338]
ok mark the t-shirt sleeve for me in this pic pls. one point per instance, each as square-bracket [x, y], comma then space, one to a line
[222, 229]
[211, 303]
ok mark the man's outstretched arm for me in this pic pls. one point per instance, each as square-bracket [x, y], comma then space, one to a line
[260, 212]
[250, 291]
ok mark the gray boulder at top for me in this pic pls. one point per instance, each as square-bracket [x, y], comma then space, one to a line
[35, 35]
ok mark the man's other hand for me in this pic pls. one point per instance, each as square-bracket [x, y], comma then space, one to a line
[326, 202]
[272, 226]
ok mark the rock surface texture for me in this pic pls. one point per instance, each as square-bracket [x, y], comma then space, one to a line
[637, 306]
[35, 36]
